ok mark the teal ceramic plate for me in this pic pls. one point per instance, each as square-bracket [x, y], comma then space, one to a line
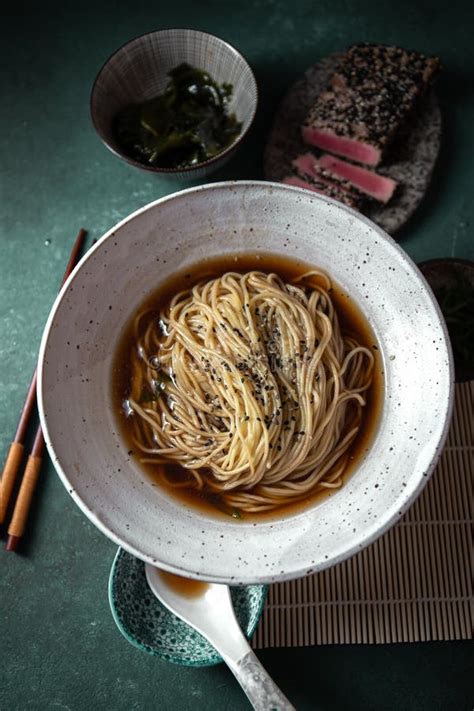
[148, 625]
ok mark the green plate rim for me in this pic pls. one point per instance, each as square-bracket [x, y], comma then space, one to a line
[212, 660]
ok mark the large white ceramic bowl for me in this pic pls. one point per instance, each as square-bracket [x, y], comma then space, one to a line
[126, 264]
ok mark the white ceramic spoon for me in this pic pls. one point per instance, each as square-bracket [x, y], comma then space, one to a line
[208, 608]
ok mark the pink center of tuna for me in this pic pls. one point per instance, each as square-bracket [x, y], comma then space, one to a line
[348, 147]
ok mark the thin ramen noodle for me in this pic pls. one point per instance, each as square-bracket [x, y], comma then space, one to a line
[248, 383]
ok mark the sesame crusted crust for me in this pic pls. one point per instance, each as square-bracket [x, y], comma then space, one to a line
[371, 93]
[325, 188]
[367, 182]
[309, 165]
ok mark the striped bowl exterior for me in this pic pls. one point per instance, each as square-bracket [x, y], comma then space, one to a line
[138, 71]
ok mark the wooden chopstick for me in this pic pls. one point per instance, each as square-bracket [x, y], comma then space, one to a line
[15, 453]
[25, 495]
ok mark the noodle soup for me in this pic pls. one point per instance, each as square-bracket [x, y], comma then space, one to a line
[248, 384]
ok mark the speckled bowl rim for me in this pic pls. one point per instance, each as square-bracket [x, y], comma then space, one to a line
[192, 168]
[210, 661]
[360, 542]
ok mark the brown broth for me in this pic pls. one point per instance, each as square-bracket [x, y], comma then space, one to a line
[184, 586]
[352, 322]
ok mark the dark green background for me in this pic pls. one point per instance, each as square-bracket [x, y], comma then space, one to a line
[59, 648]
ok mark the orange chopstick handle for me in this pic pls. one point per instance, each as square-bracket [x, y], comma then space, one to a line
[25, 495]
[10, 470]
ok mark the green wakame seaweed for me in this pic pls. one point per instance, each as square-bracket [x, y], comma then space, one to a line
[187, 124]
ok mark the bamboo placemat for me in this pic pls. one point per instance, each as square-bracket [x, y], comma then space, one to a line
[413, 584]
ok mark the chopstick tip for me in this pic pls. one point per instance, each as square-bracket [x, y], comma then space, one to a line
[12, 543]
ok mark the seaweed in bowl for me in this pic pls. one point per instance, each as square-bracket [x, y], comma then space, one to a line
[187, 124]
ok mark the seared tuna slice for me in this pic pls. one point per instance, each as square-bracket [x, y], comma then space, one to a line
[307, 166]
[372, 92]
[366, 181]
[323, 188]
[326, 139]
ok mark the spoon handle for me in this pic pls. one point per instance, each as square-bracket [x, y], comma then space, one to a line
[261, 690]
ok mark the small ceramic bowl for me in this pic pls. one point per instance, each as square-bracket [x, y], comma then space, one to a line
[150, 626]
[452, 281]
[139, 71]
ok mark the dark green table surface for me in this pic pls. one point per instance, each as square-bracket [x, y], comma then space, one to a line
[59, 647]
